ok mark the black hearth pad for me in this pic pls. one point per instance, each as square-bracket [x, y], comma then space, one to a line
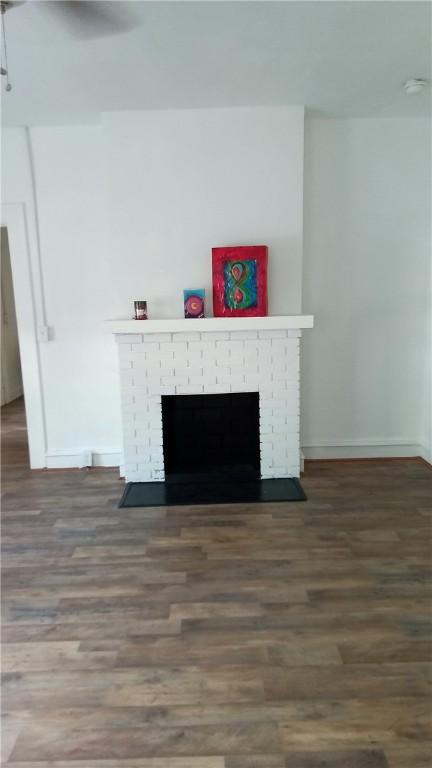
[246, 492]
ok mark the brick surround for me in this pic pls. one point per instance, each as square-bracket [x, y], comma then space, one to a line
[208, 362]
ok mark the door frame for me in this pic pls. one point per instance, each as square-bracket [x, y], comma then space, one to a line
[13, 217]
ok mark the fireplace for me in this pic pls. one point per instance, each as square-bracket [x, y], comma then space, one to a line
[210, 437]
[210, 400]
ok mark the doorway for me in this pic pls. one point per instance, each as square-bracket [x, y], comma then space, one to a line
[14, 222]
[11, 376]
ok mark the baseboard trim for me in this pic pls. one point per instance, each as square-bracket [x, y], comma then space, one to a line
[392, 448]
[363, 449]
[84, 458]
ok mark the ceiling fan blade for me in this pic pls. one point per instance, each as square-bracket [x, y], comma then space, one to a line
[88, 19]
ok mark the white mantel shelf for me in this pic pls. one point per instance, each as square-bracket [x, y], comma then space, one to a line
[175, 325]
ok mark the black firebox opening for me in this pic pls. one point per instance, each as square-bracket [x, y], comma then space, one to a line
[210, 437]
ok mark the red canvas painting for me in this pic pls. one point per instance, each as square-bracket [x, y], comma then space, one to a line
[240, 281]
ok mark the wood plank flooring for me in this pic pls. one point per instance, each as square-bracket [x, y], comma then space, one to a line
[260, 636]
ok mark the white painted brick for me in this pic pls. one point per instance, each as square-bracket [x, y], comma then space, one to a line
[229, 378]
[191, 374]
[239, 386]
[158, 474]
[279, 404]
[266, 430]
[127, 408]
[267, 390]
[149, 346]
[206, 380]
[275, 334]
[266, 422]
[167, 367]
[194, 372]
[128, 338]
[294, 333]
[190, 390]
[216, 336]
[264, 375]
[154, 403]
[138, 349]
[174, 380]
[234, 347]
[266, 439]
[279, 347]
[155, 439]
[206, 347]
[218, 370]
[127, 378]
[279, 364]
[155, 420]
[280, 374]
[238, 363]
[194, 353]
[164, 352]
[177, 347]
[137, 476]
[214, 389]
[142, 434]
[186, 336]
[264, 410]
[222, 357]
[279, 459]
[259, 355]
[260, 344]
[125, 351]
[287, 413]
[166, 389]
[281, 471]
[160, 338]
[243, 335]
[143, 452]
[140, 363]
[242, 387]
[250, 349]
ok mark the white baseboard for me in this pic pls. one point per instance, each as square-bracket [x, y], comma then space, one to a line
[372, 448]
[426, 454]
[84, 458]
[13, 394]
[343, 449]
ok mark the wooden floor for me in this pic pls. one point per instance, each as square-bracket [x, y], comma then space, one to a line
[294, 635]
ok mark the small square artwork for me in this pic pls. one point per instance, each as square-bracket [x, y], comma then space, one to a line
[240, 281]
[194, 302]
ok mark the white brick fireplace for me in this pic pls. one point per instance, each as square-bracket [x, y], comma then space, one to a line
[210, 356]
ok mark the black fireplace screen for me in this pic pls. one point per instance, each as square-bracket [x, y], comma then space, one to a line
[210, 435]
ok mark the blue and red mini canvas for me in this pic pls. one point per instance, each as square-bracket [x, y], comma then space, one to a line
[194, 302]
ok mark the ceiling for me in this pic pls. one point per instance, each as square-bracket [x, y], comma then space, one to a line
[338, 58]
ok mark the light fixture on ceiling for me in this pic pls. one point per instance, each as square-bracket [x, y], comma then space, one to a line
[415, 85]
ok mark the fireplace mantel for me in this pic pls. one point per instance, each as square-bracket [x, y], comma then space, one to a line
[176, 325]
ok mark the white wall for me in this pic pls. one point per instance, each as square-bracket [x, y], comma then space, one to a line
[366, 278]
[181, 182]
[79, 367]
[178, 183]
[172, 184]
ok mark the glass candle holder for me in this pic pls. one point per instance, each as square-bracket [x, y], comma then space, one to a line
[140, 308]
